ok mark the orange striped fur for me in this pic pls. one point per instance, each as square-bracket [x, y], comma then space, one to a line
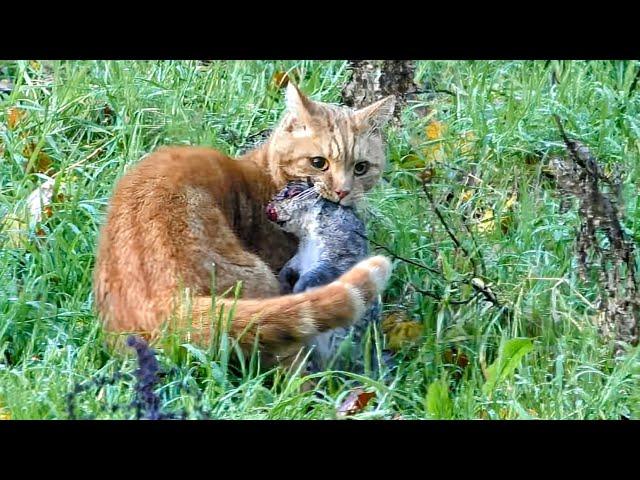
[184, 214]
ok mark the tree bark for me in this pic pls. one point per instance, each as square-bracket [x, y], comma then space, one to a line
[373, 80]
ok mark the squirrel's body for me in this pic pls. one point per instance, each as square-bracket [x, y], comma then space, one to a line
[331, 241]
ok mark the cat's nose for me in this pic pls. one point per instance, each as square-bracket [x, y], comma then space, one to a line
[342, 193]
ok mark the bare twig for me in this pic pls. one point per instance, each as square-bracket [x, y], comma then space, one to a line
[618, 296]
[398, 257]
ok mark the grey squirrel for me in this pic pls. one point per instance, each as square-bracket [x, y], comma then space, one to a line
[332, 240]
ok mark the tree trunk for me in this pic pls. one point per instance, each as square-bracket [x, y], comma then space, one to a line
[373, 80]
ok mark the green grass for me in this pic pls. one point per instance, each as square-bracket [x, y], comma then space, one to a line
[49, 334]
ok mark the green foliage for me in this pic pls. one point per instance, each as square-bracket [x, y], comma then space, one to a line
[94, 119]
[438, 402]
[509, 358]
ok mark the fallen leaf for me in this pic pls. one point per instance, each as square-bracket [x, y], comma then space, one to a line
[404, 333]
[427, 174]
[454, 357]
[39, 199]
[14, 116]
[355, 402]
[42, 162]
[487, 223]
[506, 219]
[399, 330]
[434, 130]
[511, 201]
[434, 152]
[5, 414]
[393, 318]
[466, 195]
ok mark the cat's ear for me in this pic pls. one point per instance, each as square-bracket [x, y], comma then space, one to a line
[377, 114]
[299, 106]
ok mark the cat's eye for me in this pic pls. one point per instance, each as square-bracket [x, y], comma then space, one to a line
[361, 168]
[319, 162]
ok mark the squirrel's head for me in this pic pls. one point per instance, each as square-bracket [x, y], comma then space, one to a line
[289, 207]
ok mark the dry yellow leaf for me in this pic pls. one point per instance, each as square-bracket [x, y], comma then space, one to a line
[5, 414]
[434, 152]
[511, 201]
[434, 130]
[403, 333]
[466, 195]
[507, 219]
[487, 223]
[392, 319]
[14, 116]
[42, 162]
[400, 330]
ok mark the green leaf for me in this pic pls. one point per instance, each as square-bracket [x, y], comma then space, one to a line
[438, 402]
[509, 358]
[196, 353]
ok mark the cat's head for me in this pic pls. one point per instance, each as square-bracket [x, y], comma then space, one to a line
[291, 206]
[338, 148]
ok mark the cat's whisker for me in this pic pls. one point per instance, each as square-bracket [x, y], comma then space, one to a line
[307, 193]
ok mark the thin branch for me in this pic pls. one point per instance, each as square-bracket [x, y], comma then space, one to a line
[591, 166]
[446, 227]
[398, 257]
[440, 299]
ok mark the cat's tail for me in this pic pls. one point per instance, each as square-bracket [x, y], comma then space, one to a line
[289, 321]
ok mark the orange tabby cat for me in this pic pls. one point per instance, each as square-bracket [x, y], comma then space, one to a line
[184, 212]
